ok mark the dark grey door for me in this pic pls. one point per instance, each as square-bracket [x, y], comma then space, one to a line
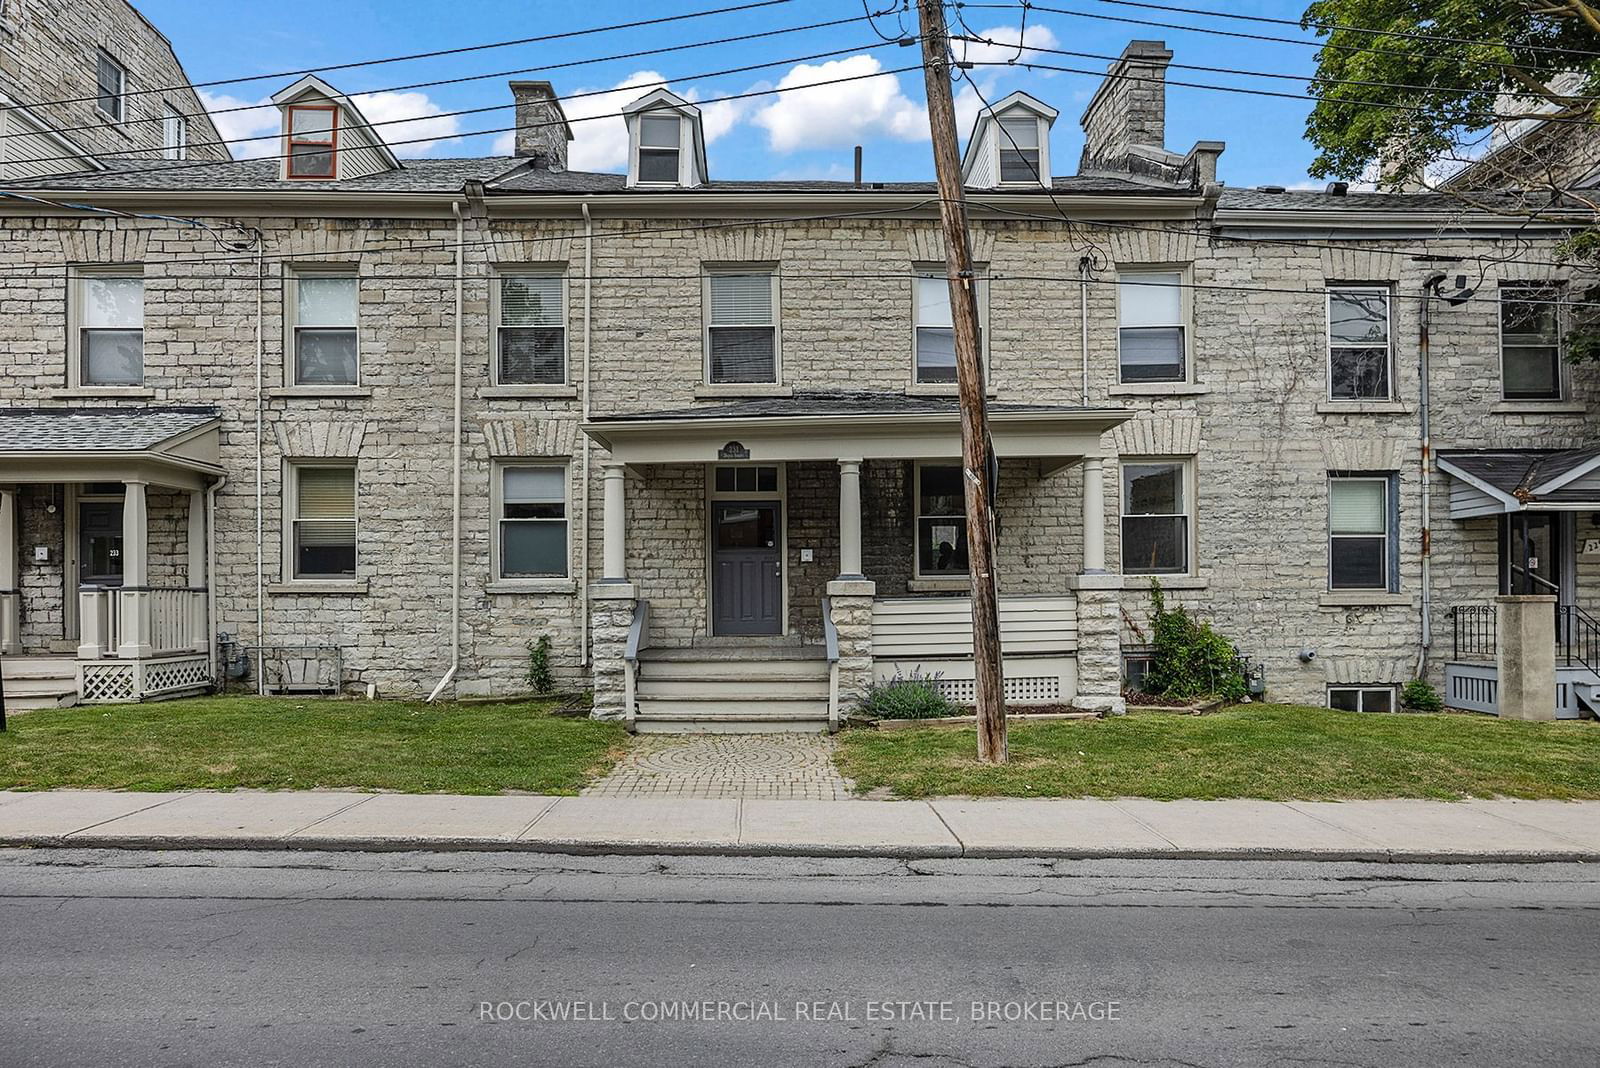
[746, 568]
[100, 543]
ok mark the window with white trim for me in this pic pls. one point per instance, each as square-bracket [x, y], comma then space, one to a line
[1360, 356]
[1530, 341]
[1155, 518]
[933, 326]
[741, 326]
[1363, 547]
[110, 327]
[1361, 698]
[941, 522]
[323, 521]
[1019, 149]
[324, 343]
[660, 148]
[530, 328]
[174, 134]
[532, 537]
[110, 86]
[1151, 336]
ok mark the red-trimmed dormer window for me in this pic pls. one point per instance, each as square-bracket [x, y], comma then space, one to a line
[313, 141]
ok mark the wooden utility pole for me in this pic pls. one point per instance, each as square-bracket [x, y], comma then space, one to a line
[977, 451]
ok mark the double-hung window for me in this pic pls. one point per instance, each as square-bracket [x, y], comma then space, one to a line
[1151, 336]
[1530, 342]
[110, 86]
[660, 146]
[323, 334]
[1155, 518]
[741, 327]
[532, 521]
[313, 141]
[1360, 357]
[110, 342]
[941, 522]
[935, 332]
[1363, 546]
[324, 521]
[174, 134]
[531, 329]
[1019, 149]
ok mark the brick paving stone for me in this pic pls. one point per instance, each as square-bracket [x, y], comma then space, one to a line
[745, 766]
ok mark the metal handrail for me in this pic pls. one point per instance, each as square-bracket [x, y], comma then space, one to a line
[1475, 631]
[638, 638]
[1577, 637]
[830, 633]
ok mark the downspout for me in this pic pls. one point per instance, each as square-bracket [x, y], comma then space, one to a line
[1425, 461]
[211, 577]
[583, 554]
[1083, 322]
[455, 473]
[261, 565]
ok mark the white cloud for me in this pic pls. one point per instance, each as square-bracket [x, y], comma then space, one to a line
[412, 115]
[830, 116]
[1004, 50]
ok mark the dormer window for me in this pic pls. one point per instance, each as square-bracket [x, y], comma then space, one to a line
[313, 141]
[660, 144]
[1010, 144]
[1019, 149]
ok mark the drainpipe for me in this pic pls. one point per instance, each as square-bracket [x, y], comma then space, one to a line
[261, 565]
[588, 307]
[1083, 322]
[455, 473]
[211, 577]
[1425, 460]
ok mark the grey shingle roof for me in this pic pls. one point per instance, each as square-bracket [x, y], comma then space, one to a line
[96, 429]
[534, 181]
[1518, 471]
[826, 403]
[1357, 203]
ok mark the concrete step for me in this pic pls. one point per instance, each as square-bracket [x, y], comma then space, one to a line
[735, 689]
[39, 667]
[30, 702]
[747, 670]
[742, 651]
[709, 725]
[27, 685]
[734, 707]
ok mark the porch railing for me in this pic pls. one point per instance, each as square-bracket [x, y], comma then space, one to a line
[127, 622]
[1577, 638]
[830, 643]
[1474, 628]
[638, 638]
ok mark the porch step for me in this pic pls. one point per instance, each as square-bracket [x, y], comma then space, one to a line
[733, 707]
[722, 650]
[34, 682]
[38, 667]
[746, 687]
[746, 672]
[31, 702]
[729, 725]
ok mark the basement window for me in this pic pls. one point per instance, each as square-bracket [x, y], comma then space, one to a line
[1361, 698]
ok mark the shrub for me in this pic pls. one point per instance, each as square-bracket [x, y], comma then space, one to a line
[914, 696]
[1189, 659]
[540, 677]
[1420, 696]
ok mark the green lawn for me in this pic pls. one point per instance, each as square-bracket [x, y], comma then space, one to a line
[1278, 752]
[220, 743]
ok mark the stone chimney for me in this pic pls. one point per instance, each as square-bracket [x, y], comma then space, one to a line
[1129, 110]
[542, 130]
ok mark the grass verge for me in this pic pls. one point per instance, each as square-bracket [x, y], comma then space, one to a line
[1276, 752]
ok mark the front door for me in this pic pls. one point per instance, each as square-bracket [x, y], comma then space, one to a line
[1531, 555]
[746, 567]
[100, 543]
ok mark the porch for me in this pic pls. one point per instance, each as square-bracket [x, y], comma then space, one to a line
[765, 562]
[105, 553]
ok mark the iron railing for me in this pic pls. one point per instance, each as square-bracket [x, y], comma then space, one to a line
[1577, 638]
[1474, 628]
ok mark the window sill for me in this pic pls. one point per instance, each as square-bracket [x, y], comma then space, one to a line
[1363, 599]
[1536, 407]
[346, 392]
[724, 390]
[1333, 407]
[1168, 582]
[1158, 389]
[941, 389]
[939, 585]
[515, 586]
[550, 392]
[318, 587]
[87, 392]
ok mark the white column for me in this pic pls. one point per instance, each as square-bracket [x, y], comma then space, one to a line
[133, 599]
[8, 572]
[850, 519]
[197, 540]
[614, 521]
[1094, 516]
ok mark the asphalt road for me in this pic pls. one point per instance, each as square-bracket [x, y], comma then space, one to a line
[307, 959]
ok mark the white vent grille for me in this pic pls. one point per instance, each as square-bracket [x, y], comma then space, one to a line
[1027, 689]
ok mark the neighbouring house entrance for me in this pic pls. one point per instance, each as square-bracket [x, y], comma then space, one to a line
[746, 567]
[100, 543]
[1536, 550]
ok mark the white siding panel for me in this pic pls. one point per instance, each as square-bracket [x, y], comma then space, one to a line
[942, 626]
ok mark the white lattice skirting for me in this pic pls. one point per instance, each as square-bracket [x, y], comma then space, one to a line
[1028, 680]
[123, 681]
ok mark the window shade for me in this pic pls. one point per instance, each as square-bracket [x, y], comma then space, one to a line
[1024, 133]
[1357, 506]
[535, 484]
[1153, 299]
[327, 302]
[112, 303]
[659, 131]
[741, 299]
[327, 493]
[530, 300]
[933, 302]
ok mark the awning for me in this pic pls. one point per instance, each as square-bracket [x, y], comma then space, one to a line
[857, 426]
[178, 447]
[1496, 481]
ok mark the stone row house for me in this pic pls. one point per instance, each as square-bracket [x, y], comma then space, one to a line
[380, 424]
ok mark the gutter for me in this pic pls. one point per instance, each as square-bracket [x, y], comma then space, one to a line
[455, 472]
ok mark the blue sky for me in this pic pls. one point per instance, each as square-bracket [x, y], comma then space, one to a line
[808, 133]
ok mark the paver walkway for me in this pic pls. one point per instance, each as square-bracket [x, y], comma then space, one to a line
[780, 767]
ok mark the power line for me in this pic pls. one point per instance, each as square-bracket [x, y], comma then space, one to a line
[469, 78]
[564, 35]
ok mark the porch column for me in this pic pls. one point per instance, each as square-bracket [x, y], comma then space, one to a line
[1525, 656]
[1094, 516]
[197, 577]
[134, 598]
[9, 619]
[850, 519]
[614, 522]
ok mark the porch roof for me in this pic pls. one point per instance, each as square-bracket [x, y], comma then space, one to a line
[848, 425]
[169, 446]
[1494, 481]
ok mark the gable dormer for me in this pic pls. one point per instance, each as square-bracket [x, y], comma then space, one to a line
[666, 143]
[325, 136]
[1010, 145]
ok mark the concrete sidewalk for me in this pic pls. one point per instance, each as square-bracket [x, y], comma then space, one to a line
[1131, 827]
